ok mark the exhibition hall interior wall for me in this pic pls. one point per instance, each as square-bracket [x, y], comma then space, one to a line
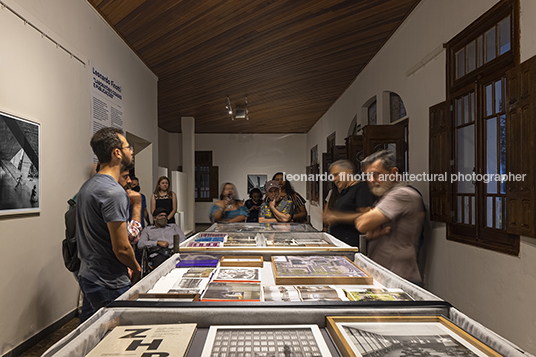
[238, 155]
[495, 289]
[42, 83]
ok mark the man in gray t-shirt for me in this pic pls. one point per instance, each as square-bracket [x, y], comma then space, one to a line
[100, 200]
[394, 226]
[101, 226]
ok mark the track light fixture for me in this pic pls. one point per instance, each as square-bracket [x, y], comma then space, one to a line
[229, 107]
[240, 112]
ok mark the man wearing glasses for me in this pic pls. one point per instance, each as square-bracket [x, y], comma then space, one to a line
[101, 225]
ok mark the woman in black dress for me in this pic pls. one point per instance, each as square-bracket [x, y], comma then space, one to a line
[165, 198]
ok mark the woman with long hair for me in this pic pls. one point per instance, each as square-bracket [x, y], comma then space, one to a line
[287, 191]
[164, 197]
[229, 208]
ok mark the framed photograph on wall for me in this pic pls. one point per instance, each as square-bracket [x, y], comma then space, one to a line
[357, 336]
[256, 181]
[19, 165]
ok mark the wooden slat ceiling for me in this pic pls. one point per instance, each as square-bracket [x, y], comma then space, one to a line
[291, 58]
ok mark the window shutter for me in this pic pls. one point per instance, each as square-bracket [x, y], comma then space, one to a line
[520, 148]
[440, 163]
[214, 182]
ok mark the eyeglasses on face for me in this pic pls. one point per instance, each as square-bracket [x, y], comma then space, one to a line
[130, 147]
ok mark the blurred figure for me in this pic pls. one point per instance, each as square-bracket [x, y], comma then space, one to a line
[394, 226]
[135, 186]
[229, 208]
[254, 205]
[354, 199]
[276, 208]
[165, 198]
[331, 198]
[287, 191]
[134, 226]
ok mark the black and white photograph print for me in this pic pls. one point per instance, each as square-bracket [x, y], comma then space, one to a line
[405, 339]
[19, 165]
[265, 341]
[256, 181]
[238, 274]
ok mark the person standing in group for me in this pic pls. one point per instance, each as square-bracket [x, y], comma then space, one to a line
[135, 186]
[101, 225]
[395, 225]
[276, 208]
[354, 199]
[165, 198]
[254, 204]
[287, 191]
[229, 208]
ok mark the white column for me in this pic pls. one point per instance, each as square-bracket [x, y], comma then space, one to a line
[188, 167]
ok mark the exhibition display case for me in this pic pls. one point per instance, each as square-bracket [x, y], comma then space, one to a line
[266, 243]
[278, 290]
[260, 227]
[88, 335]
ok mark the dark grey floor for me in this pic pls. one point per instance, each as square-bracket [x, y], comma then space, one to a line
[47, 342]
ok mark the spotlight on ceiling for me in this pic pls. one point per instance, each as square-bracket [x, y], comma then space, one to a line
[229, 107]
[240, 111]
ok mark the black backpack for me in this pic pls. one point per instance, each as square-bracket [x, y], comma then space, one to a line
[68, 245]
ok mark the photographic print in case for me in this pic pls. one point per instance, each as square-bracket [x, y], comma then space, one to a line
[368, 336]
[237, 274]
[377, 294]
[317, 269]
[269, 341]
[230, 291]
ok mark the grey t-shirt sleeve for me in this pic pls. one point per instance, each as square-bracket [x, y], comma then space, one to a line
[395, 203]
[115, 207]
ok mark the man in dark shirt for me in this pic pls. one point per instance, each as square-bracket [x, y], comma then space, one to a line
[354, 199]
[101, 225]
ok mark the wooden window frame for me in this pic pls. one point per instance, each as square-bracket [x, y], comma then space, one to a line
[213, 176]
[476, 80]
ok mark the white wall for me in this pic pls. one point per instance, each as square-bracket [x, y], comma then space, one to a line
[42, 83]
[238, 155]
[495, 289]
[169, 151]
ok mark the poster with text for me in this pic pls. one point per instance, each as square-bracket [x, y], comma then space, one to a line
[106, 101]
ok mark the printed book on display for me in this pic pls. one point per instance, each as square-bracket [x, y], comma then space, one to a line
[232, 291]
[318, 269]
[205, 244]
[377, 294]
[146, 340]
[207, 237]
[237, 274]
[265, 341]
